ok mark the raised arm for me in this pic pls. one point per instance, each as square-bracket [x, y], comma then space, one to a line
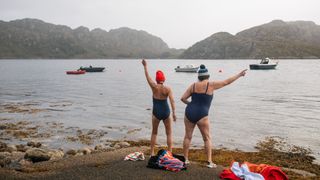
[173, 106]
[151, 83]
[220, 84]
[186, 95]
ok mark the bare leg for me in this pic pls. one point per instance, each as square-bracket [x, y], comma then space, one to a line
[204, 127]
[189, 127]
[167, 124]
[155, 125]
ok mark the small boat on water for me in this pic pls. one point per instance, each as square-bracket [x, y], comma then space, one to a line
[92, 69]
[76, 72]
[265, 63]
[187, 68]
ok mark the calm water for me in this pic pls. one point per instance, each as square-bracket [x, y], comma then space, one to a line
[283, 102]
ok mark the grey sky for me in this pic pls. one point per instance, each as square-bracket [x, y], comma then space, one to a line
[180, 23]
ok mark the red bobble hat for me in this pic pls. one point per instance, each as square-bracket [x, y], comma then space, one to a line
[160, 76]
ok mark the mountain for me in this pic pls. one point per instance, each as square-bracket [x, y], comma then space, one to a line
[278, 39]
[32, 38]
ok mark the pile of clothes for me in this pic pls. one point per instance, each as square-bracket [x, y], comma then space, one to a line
[249, 171]
[167, 161]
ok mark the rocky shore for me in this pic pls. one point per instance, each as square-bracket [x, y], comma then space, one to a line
[15, 156]
[32, 149]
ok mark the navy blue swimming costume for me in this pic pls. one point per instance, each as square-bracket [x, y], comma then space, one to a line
[161, 109]
[199, 106]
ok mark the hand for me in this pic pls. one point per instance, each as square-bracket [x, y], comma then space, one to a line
[243, 73]
[174, 117]
[144, 62]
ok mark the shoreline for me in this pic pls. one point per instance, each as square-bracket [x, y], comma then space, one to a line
[296, 164]
[26, 152]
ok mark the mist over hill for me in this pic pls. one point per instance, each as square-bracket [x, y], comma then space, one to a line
[278, 39]
[33, 38]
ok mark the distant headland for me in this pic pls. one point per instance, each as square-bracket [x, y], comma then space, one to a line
[36, 39]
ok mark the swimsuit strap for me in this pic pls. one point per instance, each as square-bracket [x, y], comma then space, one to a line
[207, 88]
[194, 85]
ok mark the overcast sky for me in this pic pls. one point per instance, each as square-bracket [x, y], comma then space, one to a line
[180, 23]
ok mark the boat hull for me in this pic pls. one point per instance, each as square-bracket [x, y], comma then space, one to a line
[76, 72]
[262, 66]
[92, 69]
[192, 70]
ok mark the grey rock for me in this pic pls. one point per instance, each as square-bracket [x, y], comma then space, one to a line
[22, 148]
[124, 144]
[3, 146]
[37, 155]
[5, 159]
[4, 155]
[117, 146]
[55, 154]
[11, 148]
[100, 147]
[34, 144]
[71, 152]
[86, 150]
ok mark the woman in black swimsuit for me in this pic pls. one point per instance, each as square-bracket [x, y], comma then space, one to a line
[197, 109]
[161, 111]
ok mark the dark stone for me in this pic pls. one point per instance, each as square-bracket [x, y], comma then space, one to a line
[3, 146]
[37, 155]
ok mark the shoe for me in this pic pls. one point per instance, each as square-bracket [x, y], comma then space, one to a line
[187, 162]
[211, 165]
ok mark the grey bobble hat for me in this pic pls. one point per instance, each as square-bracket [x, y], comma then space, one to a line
[203, 71]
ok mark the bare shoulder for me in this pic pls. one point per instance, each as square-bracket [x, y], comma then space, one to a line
[168, 89]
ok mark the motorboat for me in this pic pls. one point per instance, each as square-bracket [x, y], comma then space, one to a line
[265, 63]
[187, 68]
[76, 72]
[92, 69]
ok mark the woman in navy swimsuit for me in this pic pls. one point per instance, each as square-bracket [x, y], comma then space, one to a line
[160, 111]
[197, 109]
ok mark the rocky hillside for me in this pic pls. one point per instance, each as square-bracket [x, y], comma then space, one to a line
[278, 39]
[32, 38]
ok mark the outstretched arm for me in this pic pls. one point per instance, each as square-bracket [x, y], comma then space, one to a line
[173, 106]
[186, 95]
[220, 84]
[151, 83]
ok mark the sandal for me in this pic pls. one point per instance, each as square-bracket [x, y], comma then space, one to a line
[211, 165]
[187, 162]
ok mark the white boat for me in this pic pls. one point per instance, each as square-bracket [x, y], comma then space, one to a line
[187, 68]
[265, 63]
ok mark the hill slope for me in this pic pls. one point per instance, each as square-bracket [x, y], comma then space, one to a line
[279, 39]
[32, 38]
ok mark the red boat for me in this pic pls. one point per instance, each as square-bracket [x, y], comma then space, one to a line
[76, 72]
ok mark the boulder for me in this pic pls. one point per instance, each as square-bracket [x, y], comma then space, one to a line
[4, 155]
[17, 155]
[124, 144]
[11, 148]
[117, 146]
[71, 152]
[100, 147]
[37, 155]
[3, 146]
[34, 144]
[86, 150]
[55, 154]
[22, 148]
[5, 159]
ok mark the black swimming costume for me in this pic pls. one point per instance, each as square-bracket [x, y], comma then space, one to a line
[199, 106]
[161, 109]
